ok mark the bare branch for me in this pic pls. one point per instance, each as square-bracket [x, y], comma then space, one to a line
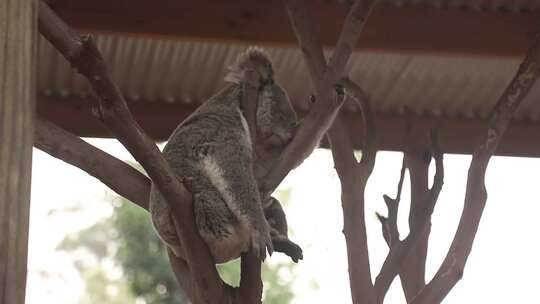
[342, 149]
[418, 158]
[113, 111]
[352, 197]
[348, 39]
[320, 118]
[438, 179]
[401, 250]
[117, 175]
[353, 177]
[183, 276]
[308, 40]
[451, 269]
[389, 224]
[251, 286]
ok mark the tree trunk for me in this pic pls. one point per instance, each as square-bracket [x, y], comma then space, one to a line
[18, 28]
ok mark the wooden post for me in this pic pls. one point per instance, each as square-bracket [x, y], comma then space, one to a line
[18, 33]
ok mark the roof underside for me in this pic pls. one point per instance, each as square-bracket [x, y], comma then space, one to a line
[155, 71]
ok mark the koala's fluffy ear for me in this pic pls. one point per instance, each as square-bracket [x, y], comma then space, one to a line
[253, 59]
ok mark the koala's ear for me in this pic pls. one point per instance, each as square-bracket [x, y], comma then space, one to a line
[234, 75]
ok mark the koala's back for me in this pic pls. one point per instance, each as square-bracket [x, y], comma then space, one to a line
[213, 136]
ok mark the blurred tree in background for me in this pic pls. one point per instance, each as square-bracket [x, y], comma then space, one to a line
[122, 261]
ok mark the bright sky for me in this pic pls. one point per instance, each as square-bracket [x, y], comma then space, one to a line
[503, 266]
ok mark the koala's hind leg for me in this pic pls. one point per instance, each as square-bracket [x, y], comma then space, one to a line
[225, 236]
[239, 190]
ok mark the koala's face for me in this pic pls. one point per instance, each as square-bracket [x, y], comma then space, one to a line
[276, 119]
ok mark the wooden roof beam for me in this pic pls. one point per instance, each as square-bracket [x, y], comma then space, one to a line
[390, 29]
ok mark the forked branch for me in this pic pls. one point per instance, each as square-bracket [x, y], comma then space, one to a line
[323, 112]
[389, 223]
[451, 270]
[400, 250]
[119, 176]
[353, 176]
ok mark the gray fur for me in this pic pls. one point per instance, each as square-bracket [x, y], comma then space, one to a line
[212, 148]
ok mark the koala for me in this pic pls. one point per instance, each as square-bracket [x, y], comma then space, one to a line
[213, 150]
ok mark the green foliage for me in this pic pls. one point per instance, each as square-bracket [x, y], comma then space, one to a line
[128, 239]
[142, 257]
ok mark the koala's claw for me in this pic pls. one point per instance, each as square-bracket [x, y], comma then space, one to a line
[260, 244]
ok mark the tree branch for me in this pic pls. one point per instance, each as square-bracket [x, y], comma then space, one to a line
[83, 54]
[251, 285]
[353, 180]
[401, 250]
[389, 223]
[353, 177]
[451, 270]
[323, 112]
[117, 175]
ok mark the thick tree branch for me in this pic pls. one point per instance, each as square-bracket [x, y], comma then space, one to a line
[353, 177]
[353, 180]
[418, 158]
[82, 53]
[451, 269]
[117, 175]
[320, 118]
[251, 286]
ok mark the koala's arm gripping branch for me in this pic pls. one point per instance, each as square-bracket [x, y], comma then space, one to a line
[82, 53]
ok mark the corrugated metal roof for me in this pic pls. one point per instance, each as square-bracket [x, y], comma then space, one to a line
[172, 71]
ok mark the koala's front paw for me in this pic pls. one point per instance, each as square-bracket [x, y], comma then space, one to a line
[260, 242]
[288, 247]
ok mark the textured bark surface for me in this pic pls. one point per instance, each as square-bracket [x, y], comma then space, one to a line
[17, 38]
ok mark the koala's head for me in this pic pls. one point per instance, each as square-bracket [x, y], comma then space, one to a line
[276, 119]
